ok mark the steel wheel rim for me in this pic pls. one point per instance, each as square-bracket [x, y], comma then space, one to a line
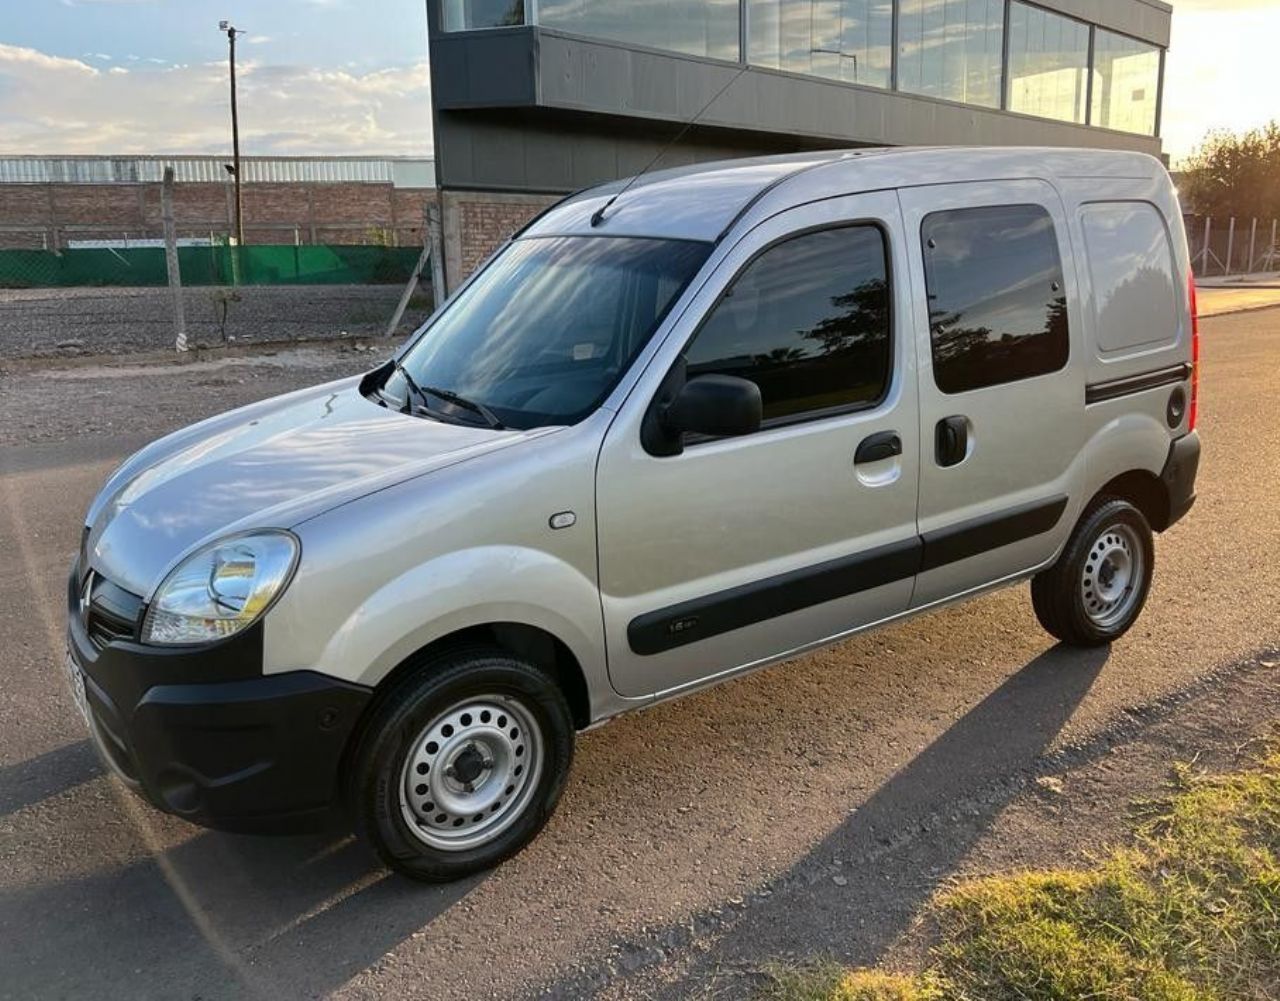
[470, 772]
[1111, 580]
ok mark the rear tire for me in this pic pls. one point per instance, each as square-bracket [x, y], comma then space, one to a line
[460, 764]
[1096, 590]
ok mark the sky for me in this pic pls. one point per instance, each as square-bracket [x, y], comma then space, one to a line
[350, 76]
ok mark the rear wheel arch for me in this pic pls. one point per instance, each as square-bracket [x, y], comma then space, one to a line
[1143, 490]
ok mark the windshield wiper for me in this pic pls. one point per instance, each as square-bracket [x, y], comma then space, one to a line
[414, 388]
[487, 415]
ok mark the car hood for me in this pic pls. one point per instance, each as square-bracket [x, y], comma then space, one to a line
[271, 465]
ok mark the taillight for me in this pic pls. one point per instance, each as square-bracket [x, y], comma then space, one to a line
[1194, 412]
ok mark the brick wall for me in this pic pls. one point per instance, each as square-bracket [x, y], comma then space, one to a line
[475, 223]
[36, 215]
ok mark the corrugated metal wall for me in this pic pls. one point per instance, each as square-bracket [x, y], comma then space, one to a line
[399, 171]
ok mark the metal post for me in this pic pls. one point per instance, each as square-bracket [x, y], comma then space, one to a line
[414, 278]
[1253, 239]
[1204, 250]
[171, 260]
[235, 131]
[436, 243]
[1231, 243]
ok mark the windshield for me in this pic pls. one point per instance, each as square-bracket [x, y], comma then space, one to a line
[544, 334]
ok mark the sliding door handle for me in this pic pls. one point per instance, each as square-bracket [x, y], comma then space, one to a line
[951, 441]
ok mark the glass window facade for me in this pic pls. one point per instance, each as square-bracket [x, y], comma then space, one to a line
[952, 49]
[1048, 64]
[697, 27]
[1126, 83]
[849, 40]
[464, 15]
[949, 49]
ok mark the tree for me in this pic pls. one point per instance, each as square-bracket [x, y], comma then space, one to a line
[1235, 175]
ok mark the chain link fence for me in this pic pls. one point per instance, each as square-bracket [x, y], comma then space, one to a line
[1235, 246]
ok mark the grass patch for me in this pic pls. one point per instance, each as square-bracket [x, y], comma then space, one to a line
[1190, 911]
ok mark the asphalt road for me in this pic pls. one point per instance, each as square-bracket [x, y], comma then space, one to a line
[730, 809]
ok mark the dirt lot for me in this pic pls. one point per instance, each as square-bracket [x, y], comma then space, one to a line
[115, 321]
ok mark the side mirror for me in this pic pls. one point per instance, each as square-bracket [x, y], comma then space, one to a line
[719, 406]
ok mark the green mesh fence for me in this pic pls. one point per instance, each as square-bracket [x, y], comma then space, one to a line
[215, 265]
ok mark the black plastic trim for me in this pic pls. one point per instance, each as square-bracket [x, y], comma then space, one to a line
[970, 538]
[1179, 475]
[1113, 389]
[724, 611]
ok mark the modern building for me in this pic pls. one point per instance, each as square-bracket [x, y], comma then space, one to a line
[536, 98]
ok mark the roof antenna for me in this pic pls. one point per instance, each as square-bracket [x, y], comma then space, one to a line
[598, 215]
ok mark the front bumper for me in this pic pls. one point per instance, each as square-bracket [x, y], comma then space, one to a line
[202, 733]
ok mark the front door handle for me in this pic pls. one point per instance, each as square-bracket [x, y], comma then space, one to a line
[878, 447]
[951, 440]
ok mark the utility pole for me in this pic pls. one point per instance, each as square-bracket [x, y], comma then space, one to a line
[171, 260]
[231, 31]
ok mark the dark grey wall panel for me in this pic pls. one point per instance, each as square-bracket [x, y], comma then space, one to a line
[484, 69]
[536, 150]
[611, 79]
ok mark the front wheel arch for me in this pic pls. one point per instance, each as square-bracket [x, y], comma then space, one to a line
[541, 648]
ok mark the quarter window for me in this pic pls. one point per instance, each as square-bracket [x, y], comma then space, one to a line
[808, 322]
[997, 306]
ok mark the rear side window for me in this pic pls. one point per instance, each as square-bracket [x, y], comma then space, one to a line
[997, 308]
[1131, 266]
[808, 322]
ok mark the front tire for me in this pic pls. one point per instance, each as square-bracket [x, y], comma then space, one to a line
[1096, 591]
[460, 764]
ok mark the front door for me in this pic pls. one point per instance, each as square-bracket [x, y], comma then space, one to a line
[1001, 380]
[743, 550]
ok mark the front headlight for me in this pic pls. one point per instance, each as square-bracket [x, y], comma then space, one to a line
[220, 589]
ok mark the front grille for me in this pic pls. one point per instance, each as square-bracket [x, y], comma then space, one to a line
[111, 613]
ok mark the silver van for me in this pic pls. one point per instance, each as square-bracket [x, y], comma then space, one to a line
[676, 429]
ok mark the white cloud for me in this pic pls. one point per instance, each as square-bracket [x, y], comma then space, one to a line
[51, 104]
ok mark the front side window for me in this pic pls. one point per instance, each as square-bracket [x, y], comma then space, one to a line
[997, 308]
[951, 49]
[808, 322]
[849, 40]
[466, 15]
[546, 330]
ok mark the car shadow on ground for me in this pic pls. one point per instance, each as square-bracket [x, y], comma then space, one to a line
[863, 885]
[215, 916]
[49, 774]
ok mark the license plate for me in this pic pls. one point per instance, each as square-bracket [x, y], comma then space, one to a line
[75, 679]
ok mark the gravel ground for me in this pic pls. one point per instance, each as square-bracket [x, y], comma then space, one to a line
[93, 398]
[114, 321]
[699, 836]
